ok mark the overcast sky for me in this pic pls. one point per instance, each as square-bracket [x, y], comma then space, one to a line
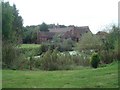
[97, 14]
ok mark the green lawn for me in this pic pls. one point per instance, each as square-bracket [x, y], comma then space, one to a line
[30, 45]
[83, 78]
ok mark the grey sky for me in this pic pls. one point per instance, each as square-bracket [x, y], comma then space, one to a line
[96, 14]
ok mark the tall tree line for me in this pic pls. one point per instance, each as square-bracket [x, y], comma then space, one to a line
[12, 24]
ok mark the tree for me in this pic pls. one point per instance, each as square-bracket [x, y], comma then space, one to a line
[89, 41]
[11, 23]
[30, 34]
[7, 19]
[44, 27]
[110, 49]
[17, 23]
[10, 33]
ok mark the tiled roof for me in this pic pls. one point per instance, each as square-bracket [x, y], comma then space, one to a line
[81, 29]
[101, 33]
[61, 30]
[46, 34]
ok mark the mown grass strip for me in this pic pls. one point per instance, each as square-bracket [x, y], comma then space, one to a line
[105, 77]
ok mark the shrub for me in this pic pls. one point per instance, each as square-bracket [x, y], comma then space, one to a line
[65, 61]
[31, 62]
[10, 56]
[15, 57]
[38, 63]
[66, 45]
[53, 60]
[107, 56]
[95, 59]
[81, 60]
[46, 61]
[43, 48]
[49, 60]
[20, 63]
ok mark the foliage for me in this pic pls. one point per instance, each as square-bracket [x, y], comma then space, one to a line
[7, 20]
[110, 47]
[30, 34]
[54, 60]
[65, 61]
[95, 59]
[43, 48]
[46, 61]
[89, 41]
[63, 44]
[11, 28]
[80, 60]
[44, 27]
[19, 57]
[31, 51]
[17, 25]
[21, 63]
[26, 59]
[66, 45]
[8, 55]
[11, 21]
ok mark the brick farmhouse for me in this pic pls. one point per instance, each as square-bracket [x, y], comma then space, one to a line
[75, 33]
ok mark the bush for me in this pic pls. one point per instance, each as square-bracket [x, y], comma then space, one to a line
[47, 62]
[20, 63]
[53, 60]
[43, 48]
[9, 55]
[95, 59]
[80, 60]
[38, 63]
[65, 61]
[66, 45]
[108, 56]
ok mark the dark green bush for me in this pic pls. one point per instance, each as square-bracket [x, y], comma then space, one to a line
[95, 59]
[43, 48]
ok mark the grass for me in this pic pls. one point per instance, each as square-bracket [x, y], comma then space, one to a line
[106, 77]
[30, 46]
